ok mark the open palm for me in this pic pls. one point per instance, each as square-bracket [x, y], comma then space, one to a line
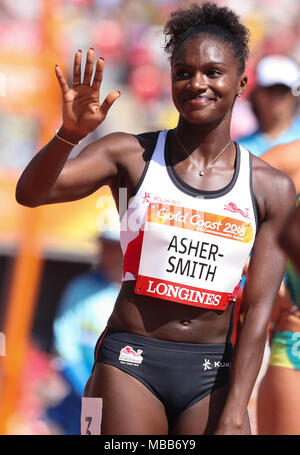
[82, 112]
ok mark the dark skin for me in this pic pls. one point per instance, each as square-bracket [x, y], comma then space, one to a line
[289, 238]
[206, 79]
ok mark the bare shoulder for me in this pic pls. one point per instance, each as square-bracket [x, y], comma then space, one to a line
[125, 156]
[283, 148]
[269, 177]
[119, 144]
[284, 156]
[273, 189]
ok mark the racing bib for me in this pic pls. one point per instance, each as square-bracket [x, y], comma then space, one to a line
[192, 257]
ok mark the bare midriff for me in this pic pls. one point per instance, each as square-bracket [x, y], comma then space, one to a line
[162, 319]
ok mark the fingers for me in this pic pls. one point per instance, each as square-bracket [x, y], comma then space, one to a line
[88, 71]
[61, 79]
[77, 68]
[109, 101]
[98, 74]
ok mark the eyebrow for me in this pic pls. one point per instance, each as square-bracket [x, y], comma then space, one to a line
[205, 64]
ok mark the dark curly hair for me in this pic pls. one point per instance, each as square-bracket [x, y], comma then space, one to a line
[209, 19]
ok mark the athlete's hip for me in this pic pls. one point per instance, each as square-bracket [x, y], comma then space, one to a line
[133, 350]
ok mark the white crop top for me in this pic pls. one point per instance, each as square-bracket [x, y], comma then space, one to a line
[186, 245]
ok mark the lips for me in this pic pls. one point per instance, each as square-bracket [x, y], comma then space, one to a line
[201, 97]
[200, 100]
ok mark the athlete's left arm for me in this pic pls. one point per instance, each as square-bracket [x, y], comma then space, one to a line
[275, 193]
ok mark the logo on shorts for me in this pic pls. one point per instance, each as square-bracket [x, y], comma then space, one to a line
[208, 365]
[131, 357]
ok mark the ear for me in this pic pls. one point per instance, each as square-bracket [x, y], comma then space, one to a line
[242, 85]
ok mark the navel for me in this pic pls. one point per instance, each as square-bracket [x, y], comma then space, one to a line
[185, 322]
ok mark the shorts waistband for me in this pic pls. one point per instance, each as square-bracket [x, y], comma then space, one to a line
[286, 337]
[166, 344]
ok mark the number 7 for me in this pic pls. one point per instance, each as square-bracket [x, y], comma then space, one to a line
[89, 420]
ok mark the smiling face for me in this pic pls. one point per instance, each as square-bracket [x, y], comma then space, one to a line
[206, 79]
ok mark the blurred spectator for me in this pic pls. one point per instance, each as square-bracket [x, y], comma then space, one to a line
[278, 400]
[286, 157]
[290, 239]
[83, 312]
[274, 104]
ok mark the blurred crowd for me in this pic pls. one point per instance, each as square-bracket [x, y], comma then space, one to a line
[128, 34]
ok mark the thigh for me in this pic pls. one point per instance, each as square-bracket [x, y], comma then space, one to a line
[278, 402]
[203, 416]
[128, 406]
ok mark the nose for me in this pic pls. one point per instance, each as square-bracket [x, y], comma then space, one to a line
[198, 82]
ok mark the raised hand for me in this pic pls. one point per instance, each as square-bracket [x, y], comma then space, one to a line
[82, 112]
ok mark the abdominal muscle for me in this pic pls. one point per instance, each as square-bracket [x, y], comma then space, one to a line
[165, 320]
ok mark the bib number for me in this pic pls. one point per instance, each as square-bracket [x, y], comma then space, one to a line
[91, 416]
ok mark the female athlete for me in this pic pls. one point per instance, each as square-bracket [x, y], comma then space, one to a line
[278, 398]
[198, 203]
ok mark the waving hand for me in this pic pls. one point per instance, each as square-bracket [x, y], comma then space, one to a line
[82, 111]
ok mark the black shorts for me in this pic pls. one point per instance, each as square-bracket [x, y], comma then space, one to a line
[178, 374]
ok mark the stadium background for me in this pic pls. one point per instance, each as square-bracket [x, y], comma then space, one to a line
[41, 249]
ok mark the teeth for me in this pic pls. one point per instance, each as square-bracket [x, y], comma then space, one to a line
[202, 98]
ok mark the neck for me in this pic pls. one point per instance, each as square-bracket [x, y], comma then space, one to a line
[203, 140]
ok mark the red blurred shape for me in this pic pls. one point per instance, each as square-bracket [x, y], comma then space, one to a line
[108, 39]
[145, 83]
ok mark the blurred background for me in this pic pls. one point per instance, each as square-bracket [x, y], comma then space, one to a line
[42, 250]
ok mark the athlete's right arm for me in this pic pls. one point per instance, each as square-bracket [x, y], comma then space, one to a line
[50, 177]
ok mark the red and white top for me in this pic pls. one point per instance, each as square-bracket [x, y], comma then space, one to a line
[186, 245]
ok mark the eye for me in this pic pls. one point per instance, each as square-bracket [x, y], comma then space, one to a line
[214, 72]
[182, 74]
